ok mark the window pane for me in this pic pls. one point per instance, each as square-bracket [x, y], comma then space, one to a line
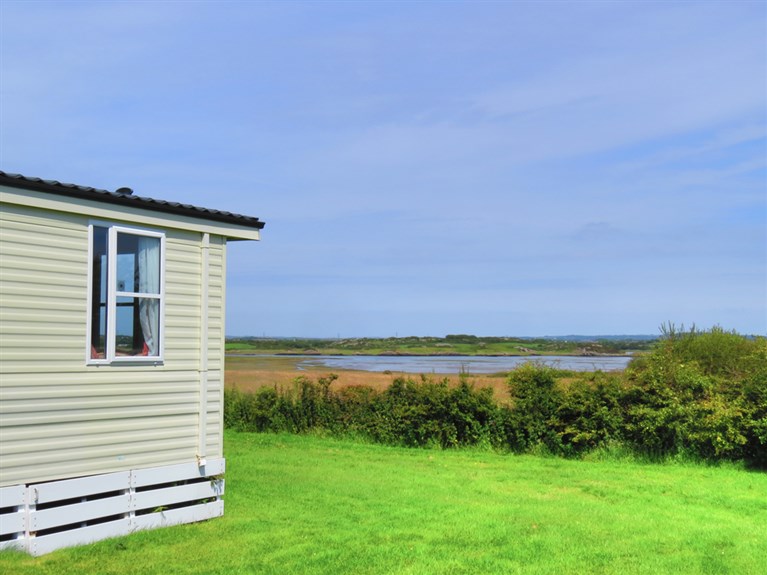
[126, 272]
[99, 294]
[138, 326]
[125, 336]
[138, 264]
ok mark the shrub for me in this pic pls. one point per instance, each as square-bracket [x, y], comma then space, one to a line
[429, 412]
[699, 393]
[752, 394]
[473, 414]
[535, 401]
[589, 414]
[260, 411]
[717, 352]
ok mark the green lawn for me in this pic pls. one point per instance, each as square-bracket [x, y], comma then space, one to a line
[309, 505]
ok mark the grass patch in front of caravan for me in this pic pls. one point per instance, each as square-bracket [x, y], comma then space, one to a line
[298, 504]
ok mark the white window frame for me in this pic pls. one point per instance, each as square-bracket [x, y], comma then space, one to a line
[113, 293]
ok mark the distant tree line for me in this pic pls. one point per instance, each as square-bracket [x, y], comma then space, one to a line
[697, 394]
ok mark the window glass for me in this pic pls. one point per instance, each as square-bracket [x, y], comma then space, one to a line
[127, 275]
[128, 340]
[99, 293]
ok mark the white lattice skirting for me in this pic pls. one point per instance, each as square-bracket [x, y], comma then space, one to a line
[41, 517]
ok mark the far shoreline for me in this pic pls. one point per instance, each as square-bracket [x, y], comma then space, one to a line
[236, 353]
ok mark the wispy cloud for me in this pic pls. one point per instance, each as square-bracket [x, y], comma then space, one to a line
[487, 167]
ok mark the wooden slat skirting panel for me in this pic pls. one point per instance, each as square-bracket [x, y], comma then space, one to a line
[81, 536]
[13, 517]
[40, 518]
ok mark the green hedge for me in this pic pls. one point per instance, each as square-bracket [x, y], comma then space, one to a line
[699, 394]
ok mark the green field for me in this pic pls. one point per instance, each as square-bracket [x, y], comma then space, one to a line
[449, 345]
[306, 505]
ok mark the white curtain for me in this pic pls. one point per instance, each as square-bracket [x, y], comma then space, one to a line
[149, 283]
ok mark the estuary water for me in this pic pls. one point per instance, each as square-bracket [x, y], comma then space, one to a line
[456, 364]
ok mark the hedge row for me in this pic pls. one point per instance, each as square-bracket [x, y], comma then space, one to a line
[701, 394]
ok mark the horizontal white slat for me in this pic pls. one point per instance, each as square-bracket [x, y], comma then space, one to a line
[155, 386]
[51, 316]
[54, 251]
[12, 496]
[189, 514]
[109, 414]
[80, 487]
[38, 330]
[38, 289]
[75, 367]
[178, 494]
[29, 355]
[11, 523]
[31, 276]
[97, 439]
[17, 219]
[43, 266]
[47, 543]
[79, 512]
[76, 430]
[125, 454]
[106, 375]
[179, 472]
[104, 402]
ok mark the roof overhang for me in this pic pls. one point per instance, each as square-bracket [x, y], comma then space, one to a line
[231, 225]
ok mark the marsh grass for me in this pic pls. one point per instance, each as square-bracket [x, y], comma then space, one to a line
[251, 373]
[309, 505]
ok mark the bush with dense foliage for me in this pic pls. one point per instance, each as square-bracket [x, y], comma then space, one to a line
[699, 394]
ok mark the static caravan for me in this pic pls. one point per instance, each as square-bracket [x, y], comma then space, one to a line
[111, 361]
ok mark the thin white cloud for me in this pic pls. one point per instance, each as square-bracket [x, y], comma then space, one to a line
[544, 167]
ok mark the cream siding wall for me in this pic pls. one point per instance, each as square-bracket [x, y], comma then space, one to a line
[60, 418]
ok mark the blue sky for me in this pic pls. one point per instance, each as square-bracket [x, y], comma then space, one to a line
[424, 168]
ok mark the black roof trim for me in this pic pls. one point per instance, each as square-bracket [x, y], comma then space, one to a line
[125, 197]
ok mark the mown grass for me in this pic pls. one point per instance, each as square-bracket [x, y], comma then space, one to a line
[309, 505]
